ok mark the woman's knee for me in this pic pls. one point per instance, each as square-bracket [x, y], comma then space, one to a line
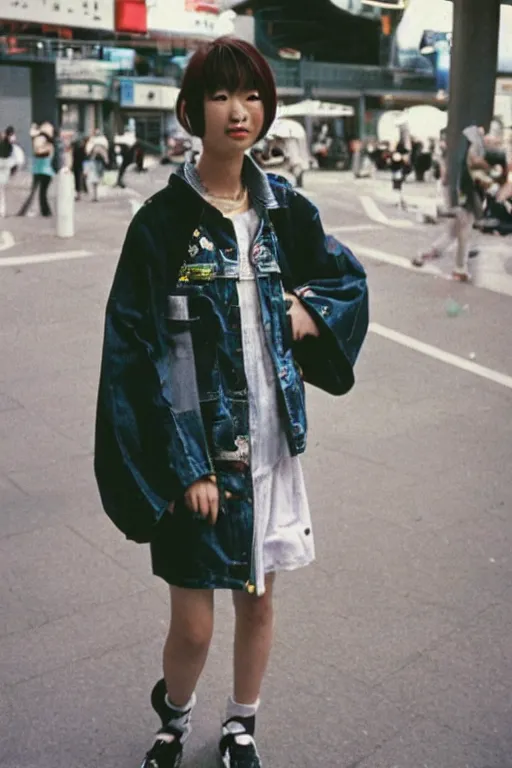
[192, 618]
[255, 611]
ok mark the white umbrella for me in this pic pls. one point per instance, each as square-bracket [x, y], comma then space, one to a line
[286, 129]
[426, 122]
[313, 108]
[388, 126]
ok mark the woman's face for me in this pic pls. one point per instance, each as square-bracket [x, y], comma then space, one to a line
[233, 121]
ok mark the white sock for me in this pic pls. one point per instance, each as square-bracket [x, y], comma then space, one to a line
[234, 709]
[189, 705]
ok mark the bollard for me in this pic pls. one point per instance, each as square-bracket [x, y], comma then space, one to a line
[65, 203]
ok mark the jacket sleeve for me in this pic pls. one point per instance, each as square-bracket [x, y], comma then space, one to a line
[332, 285]
[146, 453]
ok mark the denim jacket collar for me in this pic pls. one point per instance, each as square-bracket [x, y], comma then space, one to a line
[254, 179]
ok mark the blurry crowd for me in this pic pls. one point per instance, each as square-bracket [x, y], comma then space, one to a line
[89, 157]
[92, 156]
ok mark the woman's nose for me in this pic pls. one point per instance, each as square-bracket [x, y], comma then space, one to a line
[238, 112]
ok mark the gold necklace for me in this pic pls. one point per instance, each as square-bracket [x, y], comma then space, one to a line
[230, 207]
[237, 198]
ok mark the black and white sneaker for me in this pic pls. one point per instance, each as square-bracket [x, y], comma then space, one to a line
[237, 745]
[167, 750]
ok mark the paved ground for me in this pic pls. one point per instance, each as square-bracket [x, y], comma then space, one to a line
[394, 650]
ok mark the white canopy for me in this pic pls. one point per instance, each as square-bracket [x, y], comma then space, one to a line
[283, 128]
[313, 108]
[426, 122]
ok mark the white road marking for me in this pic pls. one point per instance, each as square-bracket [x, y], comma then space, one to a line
[487, 275]
[396, 261]
[352, 228]
[7, 240]
[374, 213]
[441, 355]
[40, 258]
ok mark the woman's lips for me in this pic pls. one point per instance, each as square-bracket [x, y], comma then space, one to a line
[238, 133]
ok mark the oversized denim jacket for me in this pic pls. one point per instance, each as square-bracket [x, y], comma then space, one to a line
[172, 403]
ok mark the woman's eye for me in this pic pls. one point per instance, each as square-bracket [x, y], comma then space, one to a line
[219, 97]
[254, 97]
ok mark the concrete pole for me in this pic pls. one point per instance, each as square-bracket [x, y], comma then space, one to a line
[65, 203]
[474, 60]
[362, 116]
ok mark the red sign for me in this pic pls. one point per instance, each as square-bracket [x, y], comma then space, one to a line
[202, 6]
[131, 16]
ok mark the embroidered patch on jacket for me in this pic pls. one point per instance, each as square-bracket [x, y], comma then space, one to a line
[242, 452]
[197, 272]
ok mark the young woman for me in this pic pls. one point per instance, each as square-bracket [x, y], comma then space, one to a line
[43, 148]
[226, 294]
[7, 163]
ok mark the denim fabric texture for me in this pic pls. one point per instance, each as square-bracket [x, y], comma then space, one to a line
[172, 403]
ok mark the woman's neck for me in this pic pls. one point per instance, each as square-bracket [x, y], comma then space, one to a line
[221, 176]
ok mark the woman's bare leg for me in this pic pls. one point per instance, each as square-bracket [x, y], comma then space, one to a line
[254, 630]
[188, 641]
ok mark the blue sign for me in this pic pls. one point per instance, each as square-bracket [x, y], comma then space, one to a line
[126, 94]
[124, 58]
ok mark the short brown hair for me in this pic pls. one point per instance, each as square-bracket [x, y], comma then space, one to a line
[226, 63]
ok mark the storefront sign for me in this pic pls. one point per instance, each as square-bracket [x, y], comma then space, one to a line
[148, 96]
[84, 79]
[131, 16]
[88, 14]
[81, 92]
[171, 17]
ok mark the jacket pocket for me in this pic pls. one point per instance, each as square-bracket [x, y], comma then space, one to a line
[192, 328]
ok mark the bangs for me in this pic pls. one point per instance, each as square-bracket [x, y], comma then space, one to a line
[227, 68]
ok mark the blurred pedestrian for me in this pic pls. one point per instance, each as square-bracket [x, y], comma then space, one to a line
[79, 159]
[43, 151]
[473, 172]
[400, 165]
[195, 451]
[126, 154]
[7, 161]
[96, 151]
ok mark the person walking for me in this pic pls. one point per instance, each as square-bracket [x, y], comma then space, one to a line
[400, 167]
[127, 156]
[43, 150]
[96, 151]
[79, 158]
[226, 290]
[7, 162]
[471, 190]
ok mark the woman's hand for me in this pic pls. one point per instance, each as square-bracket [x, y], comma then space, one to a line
[202, 497]
[302, 322]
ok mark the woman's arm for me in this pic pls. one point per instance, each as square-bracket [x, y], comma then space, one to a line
[146, 453]
[331, 284]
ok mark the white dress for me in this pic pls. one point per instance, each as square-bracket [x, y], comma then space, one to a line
[283, 538]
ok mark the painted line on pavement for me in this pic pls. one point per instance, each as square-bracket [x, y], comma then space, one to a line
[7, 240]
[374, 213]
[41, 258]
[397, 261]
[352, 228]
[495, 281]
[441, 355]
